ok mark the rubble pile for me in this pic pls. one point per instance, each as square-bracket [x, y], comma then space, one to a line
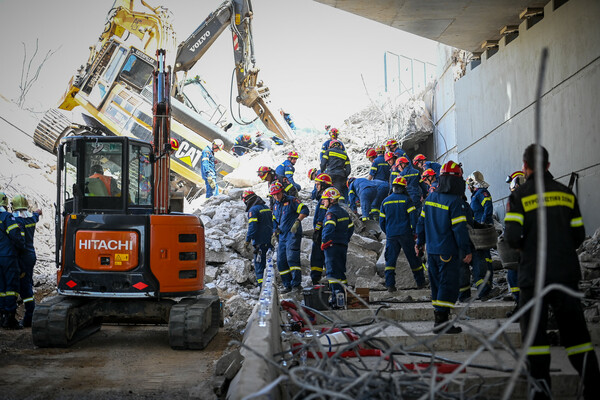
[589, 257]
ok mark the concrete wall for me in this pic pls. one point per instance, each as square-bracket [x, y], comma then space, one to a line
[495, 104]
[444, 115]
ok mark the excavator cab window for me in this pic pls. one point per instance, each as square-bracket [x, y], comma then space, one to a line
[137, 72]
[140, 175]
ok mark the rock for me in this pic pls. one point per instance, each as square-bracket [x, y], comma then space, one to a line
[205, 219]
[375, 284]
[229, 364]
[367, 243]
[210, 273]
[237, 310]
[216, 257]
[238, 269]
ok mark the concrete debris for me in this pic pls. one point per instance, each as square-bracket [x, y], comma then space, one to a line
[236, 312]
[589, 257]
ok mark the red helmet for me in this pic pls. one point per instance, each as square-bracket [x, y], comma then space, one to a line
[293, 154]
[263, 172]
[247, 195]
[371, 153]
[335, 143]
[380, 149]
[389, 156]
[174, 144]
[391, 142]
[331, 194]
[427, 172]
[399, 181]
[275, 188]
[514, 175]
[312, 173]
[419, 157]
[324, 178]
[349, 181]
[451, 168]
[402, 160]
[334, 133]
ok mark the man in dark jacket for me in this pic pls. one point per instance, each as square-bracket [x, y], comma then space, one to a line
[564, 233]
[336, 164]
[260, 229]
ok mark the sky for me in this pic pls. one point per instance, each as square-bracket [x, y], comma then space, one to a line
[320, 63]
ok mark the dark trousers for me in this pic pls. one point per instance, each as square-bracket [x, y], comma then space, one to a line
[512, 277]
[288, 258]
[335, 266]
[339, 182]
[260, 261]
[443, 278]
[26, 264]
[317, 261]
[393, 245]
[9, 283]
[574, 336]
[482, 263]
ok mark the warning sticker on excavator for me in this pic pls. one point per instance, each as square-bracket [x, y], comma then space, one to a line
[121, 257]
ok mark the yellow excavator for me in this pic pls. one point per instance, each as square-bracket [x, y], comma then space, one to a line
[114, 87]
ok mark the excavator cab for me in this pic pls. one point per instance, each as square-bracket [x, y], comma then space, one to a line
[117, 259]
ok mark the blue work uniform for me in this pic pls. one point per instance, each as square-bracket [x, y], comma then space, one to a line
[383, 190]
[260, 229]
[380, 169]
[241, 146]
[286, 170]
[207, 168]
[317, 256]
[401, 153]
[412, 176]
[338, 229]
[285, 213]
[398, 220]
[314, 195]
[12, 241]
[436, 167]
[325, 147]
[27, 258]
[394, 173]
[483, 210]
[478, 270]
[443, 226]
[336, 164]
[363, 191]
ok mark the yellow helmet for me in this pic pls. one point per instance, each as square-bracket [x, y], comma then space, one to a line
[3, 200]
[19, 202]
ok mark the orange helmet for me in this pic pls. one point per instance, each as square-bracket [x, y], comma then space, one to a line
[334, 133]
[399, 181]
[349, 181]
[391, 142]
[335, 143]
[389, 156]
[247, 195]
[451, 168]
[263, 172]
[427, 172]
[371, 153]
[275, 188]
[419, 157]
[380, 149]
[312, 173]
[402, 160]
[331, 194]
[324, 178]
[293, 154]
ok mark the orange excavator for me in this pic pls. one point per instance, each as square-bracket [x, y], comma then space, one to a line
[121, 254]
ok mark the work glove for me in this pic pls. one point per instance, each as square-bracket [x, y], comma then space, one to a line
[211, 183]
[274, 240]
[327, 244]
[294, 227]
[248, 246]
[316, 237]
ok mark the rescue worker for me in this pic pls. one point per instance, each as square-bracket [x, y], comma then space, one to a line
[362, 192]
[390, 159]
[565, 233]
[514, 180]
[420, 162]
[285, 170]
[267, 174]
[27, 258]
[429, 178]
[398, 220]
[12, 241]
[337, 231]
[260, 229]
[380, 169]
[483, 210]
[207, 167]
[336, 164]
[312, 174]
[317, 257]
[261, 142]
[288, 118]
[242, 144]
[333, 135]
[393, 146]
[413, 177]
[443, 227]
[109, 183]
[474, 269]
[288, 213]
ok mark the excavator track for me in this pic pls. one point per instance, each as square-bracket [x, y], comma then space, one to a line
[62, 321]
[50, 129]
[194, 322]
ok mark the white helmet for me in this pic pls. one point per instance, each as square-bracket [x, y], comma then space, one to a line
[219, 143]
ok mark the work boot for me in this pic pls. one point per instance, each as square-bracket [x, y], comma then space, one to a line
[11, 322]
[513, 311]
[441, 321]
[26, 321]
[490, 294]
[392, 289]
[297, 289]
[286, 289]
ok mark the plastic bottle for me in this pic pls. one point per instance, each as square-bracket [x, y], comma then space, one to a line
[340, 300]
